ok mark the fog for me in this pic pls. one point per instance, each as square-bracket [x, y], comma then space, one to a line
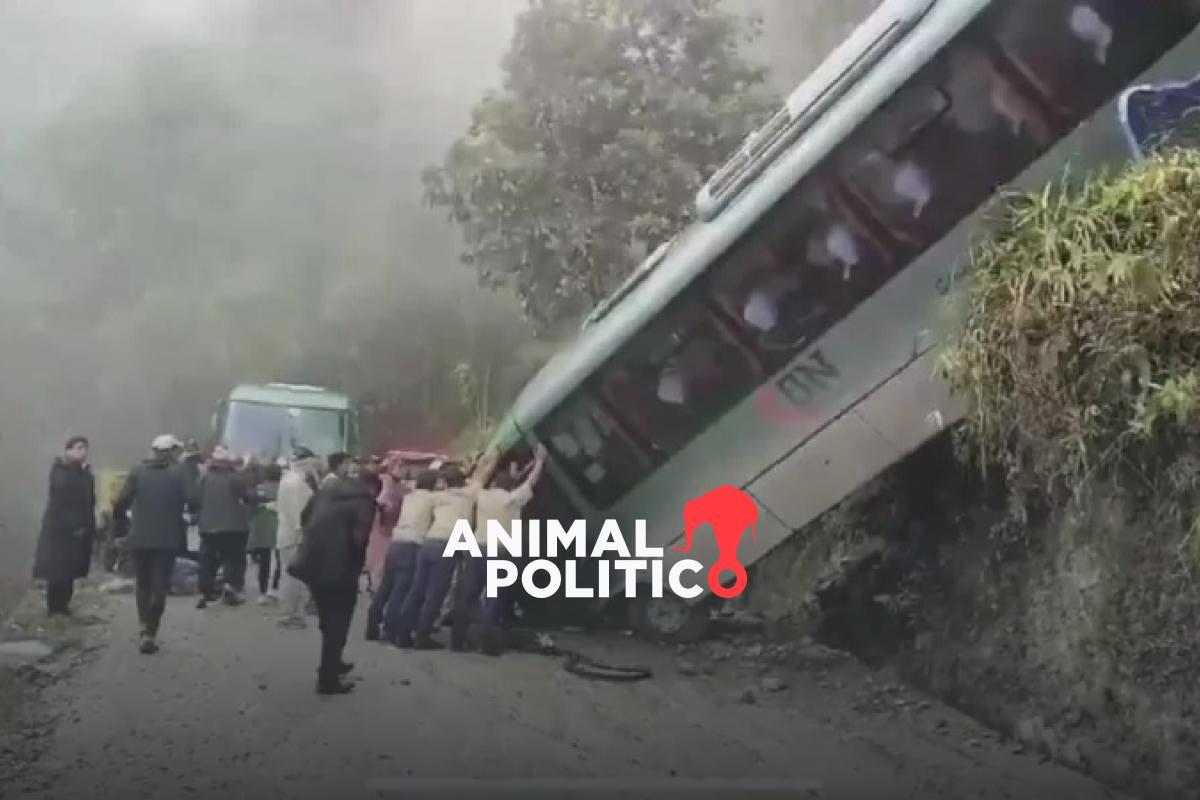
[195, 193]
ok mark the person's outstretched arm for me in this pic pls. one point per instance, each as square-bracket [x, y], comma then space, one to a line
[484, 468]
[525, 491]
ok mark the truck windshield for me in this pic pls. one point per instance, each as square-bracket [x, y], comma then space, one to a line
[273, 431]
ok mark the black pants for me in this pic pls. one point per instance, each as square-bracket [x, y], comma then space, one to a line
[469, 603]
[58, 596]
[389, 598]
[152, 573]
[335, 611]
[227, 549]
[263, 557]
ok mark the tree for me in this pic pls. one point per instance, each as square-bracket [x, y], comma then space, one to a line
[611, 115]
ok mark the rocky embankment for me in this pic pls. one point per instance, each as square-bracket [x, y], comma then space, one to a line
[1072, 635]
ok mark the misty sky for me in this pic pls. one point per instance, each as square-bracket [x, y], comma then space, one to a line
[364, 93]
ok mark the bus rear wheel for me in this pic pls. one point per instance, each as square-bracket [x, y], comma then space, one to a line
[669, 619]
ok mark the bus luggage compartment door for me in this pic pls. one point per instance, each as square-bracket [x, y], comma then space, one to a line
[825, 469]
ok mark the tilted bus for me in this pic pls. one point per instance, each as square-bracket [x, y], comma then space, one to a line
[785, 342]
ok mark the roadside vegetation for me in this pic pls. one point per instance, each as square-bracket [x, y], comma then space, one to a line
[1079, 354]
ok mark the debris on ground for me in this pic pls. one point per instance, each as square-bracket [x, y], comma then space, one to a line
[24, 650]
[117, 586]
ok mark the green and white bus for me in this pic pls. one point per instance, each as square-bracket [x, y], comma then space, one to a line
[786, 341]
[271, 420]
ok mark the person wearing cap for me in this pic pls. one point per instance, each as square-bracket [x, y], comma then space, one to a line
[158, 493]
[296, 489]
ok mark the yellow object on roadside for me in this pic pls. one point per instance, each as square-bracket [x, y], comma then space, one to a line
[108, 485]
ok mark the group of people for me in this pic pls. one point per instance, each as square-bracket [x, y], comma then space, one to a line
[321, 523]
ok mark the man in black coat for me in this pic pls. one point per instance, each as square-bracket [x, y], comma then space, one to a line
[64, 551]
[159, 493]
[331, 560]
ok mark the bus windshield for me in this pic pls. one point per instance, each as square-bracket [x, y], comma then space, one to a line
[272, 431]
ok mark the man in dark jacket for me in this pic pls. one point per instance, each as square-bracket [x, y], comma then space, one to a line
[226, 501]
[334, 550]
[158, 493]
[64, 551]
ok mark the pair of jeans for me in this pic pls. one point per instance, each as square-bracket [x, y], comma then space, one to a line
[469, 603]
[227, 549]
[58, 596]
[388, 600]
[430, 585]
[152, 574]
[335, 611]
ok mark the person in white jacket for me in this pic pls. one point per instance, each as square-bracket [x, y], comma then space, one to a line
[295, 489]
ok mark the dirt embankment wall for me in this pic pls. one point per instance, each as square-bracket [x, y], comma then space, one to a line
[1075, 633]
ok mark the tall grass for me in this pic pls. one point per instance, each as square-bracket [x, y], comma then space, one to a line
[1080, 357]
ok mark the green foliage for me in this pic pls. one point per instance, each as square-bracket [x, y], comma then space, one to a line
[1080, 358]
[612, 114]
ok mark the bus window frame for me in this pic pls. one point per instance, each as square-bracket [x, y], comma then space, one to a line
[588, 490]
[705, 322]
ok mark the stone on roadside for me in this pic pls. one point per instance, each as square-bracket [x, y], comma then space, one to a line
[688, 668]
[747, 697]
[24, 650]
[773, 684]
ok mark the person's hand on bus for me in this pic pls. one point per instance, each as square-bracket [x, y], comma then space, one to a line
[540, 453]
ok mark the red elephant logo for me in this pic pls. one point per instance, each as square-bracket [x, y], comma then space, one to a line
[729, 511]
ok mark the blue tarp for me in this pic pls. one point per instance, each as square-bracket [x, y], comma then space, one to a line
[1163, 115]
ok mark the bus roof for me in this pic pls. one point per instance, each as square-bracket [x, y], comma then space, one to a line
[703, 242]
[282, 394]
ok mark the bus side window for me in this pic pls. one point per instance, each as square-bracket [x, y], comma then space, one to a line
[590, 446]
[980, 133]
[1077, 53]
[676, 377]
[808, 264]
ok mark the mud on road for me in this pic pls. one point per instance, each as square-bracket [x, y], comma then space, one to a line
[227, 709]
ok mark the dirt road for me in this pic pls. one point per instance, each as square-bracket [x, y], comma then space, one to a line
[227, 709]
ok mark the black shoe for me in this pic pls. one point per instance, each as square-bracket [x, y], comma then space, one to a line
[148, 646]
[202, 602]
[336, 686]
[428, 643]
[402, 640]
[345, 668]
